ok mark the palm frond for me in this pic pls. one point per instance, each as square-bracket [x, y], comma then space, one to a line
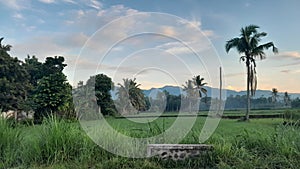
[251, 29]
[231, 44]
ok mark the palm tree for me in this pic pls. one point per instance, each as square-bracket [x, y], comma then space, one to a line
[247, 44]
[194, 89]
[198, 81]
[286, 98]
[131, 96]
[4, 48]
[274, 95]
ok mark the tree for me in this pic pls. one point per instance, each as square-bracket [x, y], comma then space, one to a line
[103, 86]
[14, 82]
[34, 68]
[4, 48]
[286, 98]
[194, 89]
[247, 44]
[131, 97]
[51, 93]
[198, 81]
[53, 65]
[274, 95]
[295, 103]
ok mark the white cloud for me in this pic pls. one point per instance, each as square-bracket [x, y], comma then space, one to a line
[80, 13]
[70, 1]
[95, 4]
[47, 1]
[18, 16]
[15, 4]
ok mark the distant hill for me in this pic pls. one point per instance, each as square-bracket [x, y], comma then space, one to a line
[176, 90]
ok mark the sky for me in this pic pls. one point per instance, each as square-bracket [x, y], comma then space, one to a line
[158, 42]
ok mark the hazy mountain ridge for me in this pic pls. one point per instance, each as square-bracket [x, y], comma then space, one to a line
[176, 90]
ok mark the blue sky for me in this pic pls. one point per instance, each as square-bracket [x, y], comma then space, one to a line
[187, 38]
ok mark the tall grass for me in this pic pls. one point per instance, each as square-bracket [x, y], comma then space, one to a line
[58, 143]
[254, 150]
[10, 141]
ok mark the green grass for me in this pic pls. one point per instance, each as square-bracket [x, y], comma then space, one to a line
[260, 143]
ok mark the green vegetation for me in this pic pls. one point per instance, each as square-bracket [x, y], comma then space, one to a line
[265, 143]
[130, 97]
[247, 44]
[34, 86]
[103, 85]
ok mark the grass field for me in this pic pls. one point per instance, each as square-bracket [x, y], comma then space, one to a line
[260, 143]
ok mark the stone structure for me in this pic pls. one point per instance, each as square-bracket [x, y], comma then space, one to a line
[177, 151]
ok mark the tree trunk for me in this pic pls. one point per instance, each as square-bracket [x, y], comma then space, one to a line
[248, 89]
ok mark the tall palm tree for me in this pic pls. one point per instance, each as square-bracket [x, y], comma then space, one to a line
[274, 95]
[247, 44]
[286, 98]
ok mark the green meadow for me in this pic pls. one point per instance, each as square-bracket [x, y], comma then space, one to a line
[57, 143]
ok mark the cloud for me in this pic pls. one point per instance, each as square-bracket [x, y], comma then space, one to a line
[289, 55]
[290, 71]
[16, 4]
[70, 1]
[291, 58]
[18, 16]
[175, 48]
[95, 4]
[47, 1]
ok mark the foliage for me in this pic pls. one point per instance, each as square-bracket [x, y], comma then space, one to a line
[260, 144]
[34, 68]
[103, 86]
[52, 92]
[194, 89]
[131, 99]
[13, 81]
[274, 95]
[296, 103]
[247, 44]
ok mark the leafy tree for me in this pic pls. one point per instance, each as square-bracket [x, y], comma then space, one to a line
[34, 68]
[13, 81]
[103, 86]
[247, 44]
[51, 93]
[53, 65]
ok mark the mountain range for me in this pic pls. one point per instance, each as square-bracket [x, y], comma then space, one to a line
[176, 90]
